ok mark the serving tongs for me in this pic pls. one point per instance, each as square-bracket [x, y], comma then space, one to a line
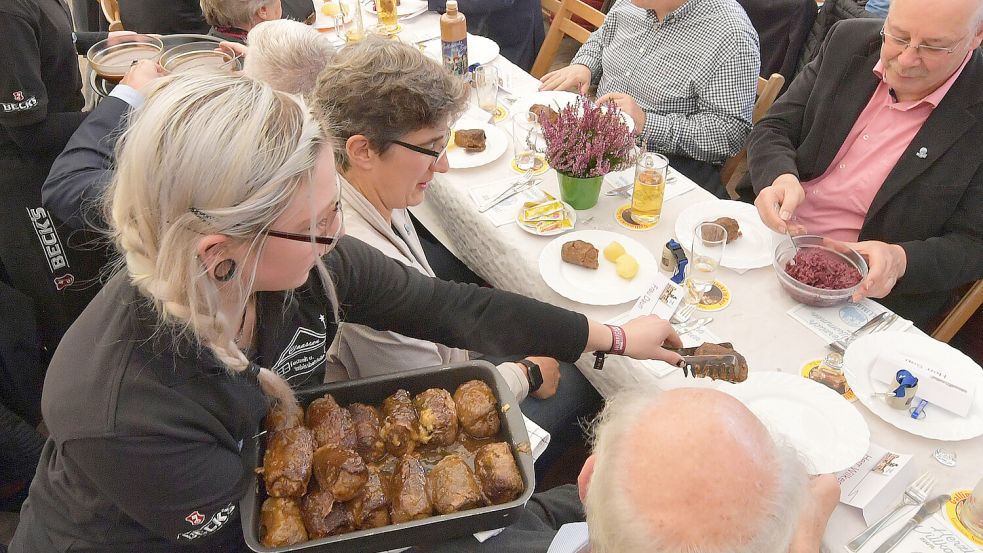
[715, 367]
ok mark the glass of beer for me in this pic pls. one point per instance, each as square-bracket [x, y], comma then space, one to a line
[525, 139]
[706, 252]
[386, 12]
[649, 189]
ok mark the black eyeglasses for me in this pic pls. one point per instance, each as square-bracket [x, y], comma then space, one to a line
[425, 151]
[322, 240]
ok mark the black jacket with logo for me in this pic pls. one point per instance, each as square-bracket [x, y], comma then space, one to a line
[146, 431]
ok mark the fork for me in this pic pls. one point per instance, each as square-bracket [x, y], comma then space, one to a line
[683, 313]
[524, 182]
[915, 494]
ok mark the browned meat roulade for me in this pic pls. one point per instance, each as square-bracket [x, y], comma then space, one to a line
[339, 471]
[400, 424]
[370, 508]
[287, 462]
[330, 424]
[452, 486]
[282, 417]
[438, 416]
[281, 523]
[495, 468]
[476, 409]
[324, 516]
[368, 432]
[410, 493]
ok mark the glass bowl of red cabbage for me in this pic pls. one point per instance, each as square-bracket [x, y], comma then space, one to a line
[815, 274]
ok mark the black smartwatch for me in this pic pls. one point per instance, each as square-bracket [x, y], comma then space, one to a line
[534, 374]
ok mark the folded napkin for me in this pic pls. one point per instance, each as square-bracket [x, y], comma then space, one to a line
[676, 183]
[503, 213]
[838, 322]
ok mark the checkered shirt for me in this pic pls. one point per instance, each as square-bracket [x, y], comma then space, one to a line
[694, 74]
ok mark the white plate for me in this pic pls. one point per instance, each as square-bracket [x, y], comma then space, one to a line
[480, 49]
[601, 286]
[555, 99]
[496, 142]
[571, 214]
[828, 432]
[405, 7]
[326, 23]
[755, 248]
[938, 423]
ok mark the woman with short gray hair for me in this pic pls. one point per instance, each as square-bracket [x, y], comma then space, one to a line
[232, 19]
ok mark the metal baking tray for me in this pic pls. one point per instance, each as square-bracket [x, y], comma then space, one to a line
[418, 532]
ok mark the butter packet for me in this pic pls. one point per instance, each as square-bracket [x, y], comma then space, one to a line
[546, 211]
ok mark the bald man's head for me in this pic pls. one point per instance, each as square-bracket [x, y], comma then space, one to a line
[690, 469]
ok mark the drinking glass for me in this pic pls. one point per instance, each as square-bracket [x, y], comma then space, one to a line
[386, 12]
[526, 137]
[649, 188]
[970, 511]
[486, 85]
[705, 255]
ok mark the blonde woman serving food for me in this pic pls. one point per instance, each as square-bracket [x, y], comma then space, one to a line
[225, 210]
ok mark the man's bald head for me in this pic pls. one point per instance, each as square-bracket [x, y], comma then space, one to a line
[690, 469]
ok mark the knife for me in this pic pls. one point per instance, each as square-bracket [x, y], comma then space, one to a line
[520, 186]
[927, 509]
[840, 345]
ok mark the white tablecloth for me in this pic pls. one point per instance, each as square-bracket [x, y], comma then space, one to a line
[755, 321]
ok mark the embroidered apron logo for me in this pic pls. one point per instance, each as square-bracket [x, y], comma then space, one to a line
[212, 525]
[305, 352]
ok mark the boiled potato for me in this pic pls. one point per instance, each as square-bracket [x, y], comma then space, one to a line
[613, 252]
[625, 265]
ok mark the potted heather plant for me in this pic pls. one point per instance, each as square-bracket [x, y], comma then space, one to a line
[586, 142]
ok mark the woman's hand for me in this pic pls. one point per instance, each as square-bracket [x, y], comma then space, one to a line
[645, 338]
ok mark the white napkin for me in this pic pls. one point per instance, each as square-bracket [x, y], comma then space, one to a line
[836, 323]
[934, 535]
[503, 213]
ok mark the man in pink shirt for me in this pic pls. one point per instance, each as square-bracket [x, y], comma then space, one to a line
[877, 143]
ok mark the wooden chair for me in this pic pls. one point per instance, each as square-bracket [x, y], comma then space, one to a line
[735, 168]
[563, 24]
[110, 9]
[959, 314]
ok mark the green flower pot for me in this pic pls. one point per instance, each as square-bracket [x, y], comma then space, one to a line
[580, 193]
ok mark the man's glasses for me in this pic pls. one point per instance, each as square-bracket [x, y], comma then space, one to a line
[923, 50]
[426, 151]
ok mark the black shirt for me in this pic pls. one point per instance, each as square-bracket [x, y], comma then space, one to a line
[144, 452]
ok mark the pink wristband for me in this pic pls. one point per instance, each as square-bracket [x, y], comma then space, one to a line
[619, 342]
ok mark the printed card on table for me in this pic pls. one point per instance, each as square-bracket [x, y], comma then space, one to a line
[876, 482]
[838, 322]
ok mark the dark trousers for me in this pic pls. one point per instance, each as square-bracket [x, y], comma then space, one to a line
[702, 173]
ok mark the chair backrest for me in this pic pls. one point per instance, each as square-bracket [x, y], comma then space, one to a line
[735, 167]
[564, 24]
[110, 9]
[959, 314]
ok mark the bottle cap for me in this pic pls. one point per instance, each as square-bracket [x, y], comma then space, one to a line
[451, 5]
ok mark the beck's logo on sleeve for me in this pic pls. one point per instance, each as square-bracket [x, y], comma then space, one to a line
[19, 103]
[210, 527]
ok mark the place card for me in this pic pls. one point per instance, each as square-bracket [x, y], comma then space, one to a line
[936, 384]
[838, 322]
[661, 298]
[876, 482]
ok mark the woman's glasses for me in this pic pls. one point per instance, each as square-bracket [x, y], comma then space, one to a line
[427, 151]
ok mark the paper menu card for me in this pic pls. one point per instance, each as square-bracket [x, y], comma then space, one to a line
[938, 385]
[838, 322]
[876, 482]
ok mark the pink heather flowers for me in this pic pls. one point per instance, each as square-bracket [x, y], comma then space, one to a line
[588, 140]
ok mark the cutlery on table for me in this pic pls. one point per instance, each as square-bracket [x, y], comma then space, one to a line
[914, 494]
[683, 313]
[927, 509]
[690, 326]
[878, 322]
[524, 183]
[625, 190]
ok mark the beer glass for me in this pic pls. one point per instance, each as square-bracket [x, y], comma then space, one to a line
[970, 511]
[486, 86]
[386, 12]
[649, 188]
[525, 139]
[706, 252]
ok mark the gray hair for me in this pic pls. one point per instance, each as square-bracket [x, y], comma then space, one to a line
[231, 13]
[288, 55]
[181, 176]
[383, 89]
[614, 522]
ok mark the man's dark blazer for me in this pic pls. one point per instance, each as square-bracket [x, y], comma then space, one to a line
[932, 206]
